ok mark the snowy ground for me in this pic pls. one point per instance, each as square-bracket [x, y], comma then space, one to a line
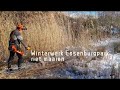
[107, 67]
[105, 42]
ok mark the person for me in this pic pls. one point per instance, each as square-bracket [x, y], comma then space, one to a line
[16, 40]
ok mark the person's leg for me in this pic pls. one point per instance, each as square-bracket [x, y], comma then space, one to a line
[20, 60]
[11, 57]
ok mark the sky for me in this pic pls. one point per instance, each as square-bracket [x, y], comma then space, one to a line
[90, 12]
[72, 13]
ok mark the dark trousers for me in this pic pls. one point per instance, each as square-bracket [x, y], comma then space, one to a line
[11, 57]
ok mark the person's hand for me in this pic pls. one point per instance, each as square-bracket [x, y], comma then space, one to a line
[27, 48]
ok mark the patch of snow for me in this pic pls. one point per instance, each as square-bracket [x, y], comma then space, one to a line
[106, 42]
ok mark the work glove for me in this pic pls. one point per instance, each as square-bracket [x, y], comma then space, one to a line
[27, 48]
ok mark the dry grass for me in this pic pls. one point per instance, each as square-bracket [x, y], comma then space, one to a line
[43, 31]
[47, 31]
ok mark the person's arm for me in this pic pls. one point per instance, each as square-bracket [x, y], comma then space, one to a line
[20, 39]
[22, 43]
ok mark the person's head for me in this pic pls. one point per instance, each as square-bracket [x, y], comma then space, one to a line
[20, 27]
